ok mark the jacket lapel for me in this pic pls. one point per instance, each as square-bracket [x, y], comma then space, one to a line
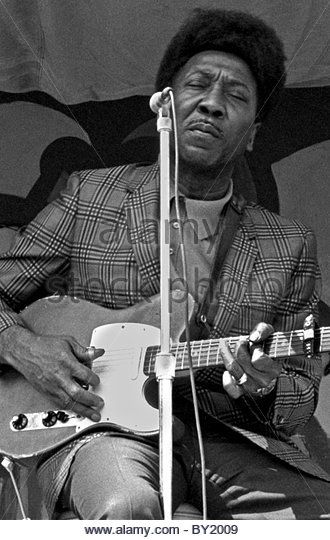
[142, 214]
[234, 277]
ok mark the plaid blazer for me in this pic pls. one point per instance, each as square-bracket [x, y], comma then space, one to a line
[99, 241]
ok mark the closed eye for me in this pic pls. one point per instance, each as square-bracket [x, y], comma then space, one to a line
[239, 97]
[196, 84]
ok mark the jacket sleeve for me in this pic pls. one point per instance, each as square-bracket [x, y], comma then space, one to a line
[296, 393]
[293, 401]
[40, 251]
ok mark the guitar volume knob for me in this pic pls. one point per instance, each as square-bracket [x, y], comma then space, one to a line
[19, 421]
[62, 416]
[49, 418]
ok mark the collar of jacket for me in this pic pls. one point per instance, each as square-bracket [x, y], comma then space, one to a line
[144, 174]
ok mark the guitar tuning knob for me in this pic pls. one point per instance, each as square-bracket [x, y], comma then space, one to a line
[49, 418]
[19, 421]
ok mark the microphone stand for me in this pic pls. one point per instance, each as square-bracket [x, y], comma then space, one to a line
[165, 362]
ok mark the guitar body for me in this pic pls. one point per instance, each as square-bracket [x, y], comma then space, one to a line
[124, 334]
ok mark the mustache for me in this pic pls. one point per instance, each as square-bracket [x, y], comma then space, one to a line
[205, 125]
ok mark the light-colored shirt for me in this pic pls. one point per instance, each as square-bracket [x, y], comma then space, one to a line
[201, 225]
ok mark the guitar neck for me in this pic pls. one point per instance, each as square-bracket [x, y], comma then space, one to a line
[208, 353]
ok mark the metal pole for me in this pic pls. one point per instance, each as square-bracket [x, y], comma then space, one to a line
[165, 362]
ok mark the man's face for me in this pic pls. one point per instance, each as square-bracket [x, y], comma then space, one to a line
[216, 102]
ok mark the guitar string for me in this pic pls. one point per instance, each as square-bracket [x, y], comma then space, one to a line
[279, 340]
[207, 350]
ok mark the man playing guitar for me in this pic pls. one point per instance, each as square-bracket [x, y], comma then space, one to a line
[98, 243]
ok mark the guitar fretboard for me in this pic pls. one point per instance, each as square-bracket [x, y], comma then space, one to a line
[207, 353]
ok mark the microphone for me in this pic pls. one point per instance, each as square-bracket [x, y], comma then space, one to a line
[159, 99]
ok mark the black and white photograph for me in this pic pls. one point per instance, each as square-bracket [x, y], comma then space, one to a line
[164, 268]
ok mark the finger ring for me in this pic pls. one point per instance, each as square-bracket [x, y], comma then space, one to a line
[254, 336]
[241, 380]
[267, 389]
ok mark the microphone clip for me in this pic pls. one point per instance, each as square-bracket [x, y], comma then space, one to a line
[161, 101]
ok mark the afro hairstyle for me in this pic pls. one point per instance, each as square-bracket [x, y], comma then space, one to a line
[235, 32]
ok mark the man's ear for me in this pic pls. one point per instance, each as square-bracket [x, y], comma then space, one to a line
[253, 133]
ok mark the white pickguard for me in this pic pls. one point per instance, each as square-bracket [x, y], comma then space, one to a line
[122, 379]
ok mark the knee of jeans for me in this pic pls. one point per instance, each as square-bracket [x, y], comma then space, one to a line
[132, 505]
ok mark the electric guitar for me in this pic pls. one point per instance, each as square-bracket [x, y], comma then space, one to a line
[30, 424]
